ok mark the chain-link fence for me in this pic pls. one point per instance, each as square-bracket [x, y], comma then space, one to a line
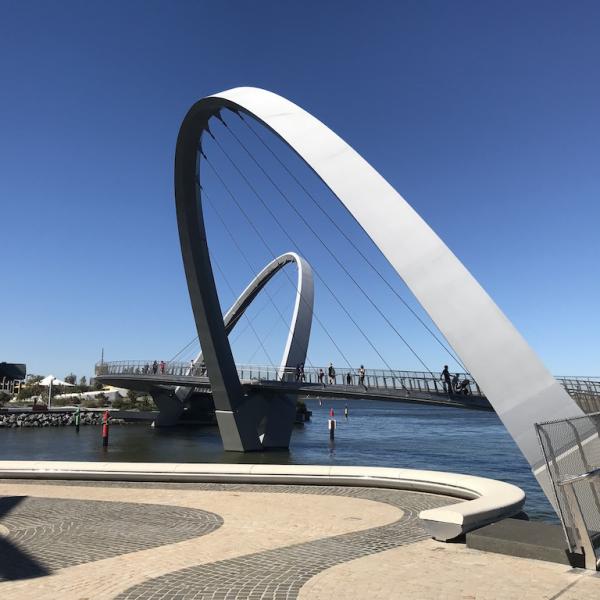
[571, 449]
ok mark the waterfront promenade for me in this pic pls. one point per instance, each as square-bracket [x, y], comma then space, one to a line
[141, 540]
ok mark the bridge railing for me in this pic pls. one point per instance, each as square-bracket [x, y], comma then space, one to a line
[571, 449]
[414, 381]
[421, 381]
[149, 367]
[584, 385]
[583, 389]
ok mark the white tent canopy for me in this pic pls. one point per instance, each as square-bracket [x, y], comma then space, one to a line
[50, 379]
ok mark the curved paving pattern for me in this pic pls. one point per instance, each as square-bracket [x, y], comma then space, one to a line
[300, 570]
[49, 534]
[279, 574]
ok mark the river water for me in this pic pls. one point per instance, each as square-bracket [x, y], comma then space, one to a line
[376, 433]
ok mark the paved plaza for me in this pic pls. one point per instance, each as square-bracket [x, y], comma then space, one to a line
[232, 541]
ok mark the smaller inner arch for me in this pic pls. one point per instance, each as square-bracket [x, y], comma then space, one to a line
[296, 345]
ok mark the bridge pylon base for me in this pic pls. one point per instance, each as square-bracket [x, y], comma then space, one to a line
[258, 424]
[170, 409]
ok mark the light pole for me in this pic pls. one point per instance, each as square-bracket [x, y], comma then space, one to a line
[49, 394]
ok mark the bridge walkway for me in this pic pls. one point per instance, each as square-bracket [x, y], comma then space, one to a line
[400, 386]
[403, 386]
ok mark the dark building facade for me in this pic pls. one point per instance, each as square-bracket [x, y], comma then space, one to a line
[11, 376]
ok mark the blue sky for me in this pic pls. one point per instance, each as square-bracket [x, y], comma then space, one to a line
[484, 116]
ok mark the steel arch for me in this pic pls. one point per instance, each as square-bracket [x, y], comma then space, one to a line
[519, 387]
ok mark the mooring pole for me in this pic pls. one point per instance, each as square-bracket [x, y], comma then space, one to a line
[331, 429]
[105, 429]
[77, 419]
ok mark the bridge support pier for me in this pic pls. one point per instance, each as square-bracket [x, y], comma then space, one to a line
[280, 417]
[258, 424]
[170, 408]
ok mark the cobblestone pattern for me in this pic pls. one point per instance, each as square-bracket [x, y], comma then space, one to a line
[58, 533]
[279, 574]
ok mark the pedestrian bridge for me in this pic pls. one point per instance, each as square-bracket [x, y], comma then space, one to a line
[220, 151]
[379, 384]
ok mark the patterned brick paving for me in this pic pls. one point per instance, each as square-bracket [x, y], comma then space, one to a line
[389, 565]
[46, 534]
[280, 573]
[60, 533]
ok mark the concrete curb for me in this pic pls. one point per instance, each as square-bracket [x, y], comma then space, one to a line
[487, 500]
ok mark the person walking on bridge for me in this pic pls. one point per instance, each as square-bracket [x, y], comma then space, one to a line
[321, 377]
[162, 367]
[361, 376]
[331, 373]
[154, 367]
[348, 379]
[445, 377]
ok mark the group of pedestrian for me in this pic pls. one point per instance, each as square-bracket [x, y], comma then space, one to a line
[331, 375]
[453, 385]
[155, 368]
[197, 368]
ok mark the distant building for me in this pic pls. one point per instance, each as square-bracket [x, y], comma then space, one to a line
[12, 376]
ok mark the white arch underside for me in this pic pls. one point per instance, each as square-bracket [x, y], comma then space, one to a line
[519, 387]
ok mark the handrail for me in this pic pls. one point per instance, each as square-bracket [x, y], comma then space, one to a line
[571, 480]
[420, 381]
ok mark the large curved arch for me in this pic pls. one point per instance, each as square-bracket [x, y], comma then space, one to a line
[296, 345]
[519, 387]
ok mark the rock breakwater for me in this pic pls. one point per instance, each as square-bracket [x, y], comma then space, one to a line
[52, 419]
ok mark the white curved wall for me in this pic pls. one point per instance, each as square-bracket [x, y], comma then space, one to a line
[487, 500]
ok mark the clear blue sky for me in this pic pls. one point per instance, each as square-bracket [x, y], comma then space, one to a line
[484, 116]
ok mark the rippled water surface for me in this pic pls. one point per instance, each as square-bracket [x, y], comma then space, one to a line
[375, 434]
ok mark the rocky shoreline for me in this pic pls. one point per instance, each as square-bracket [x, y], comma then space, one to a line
[52, 419]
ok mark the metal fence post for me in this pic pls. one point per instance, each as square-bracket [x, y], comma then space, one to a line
[584, 541]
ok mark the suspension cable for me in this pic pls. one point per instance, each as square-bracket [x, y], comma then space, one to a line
[268, 247]
[249, 263]
[213, 260]
[255, 316]
[246, 259]
[330, 252]
[265, 338]
[184, 349]
[285, 232]
[349, 239]
[239, 333]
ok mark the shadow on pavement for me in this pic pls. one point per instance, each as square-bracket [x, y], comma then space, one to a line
[14, 563]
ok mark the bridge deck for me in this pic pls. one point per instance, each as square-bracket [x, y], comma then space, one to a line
[399, 386]
[148, 382]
